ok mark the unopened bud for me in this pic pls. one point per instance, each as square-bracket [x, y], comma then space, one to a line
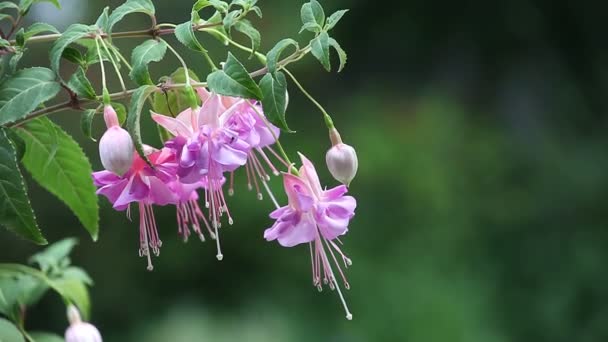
[80, 331]
[115, 146]
[341, 159]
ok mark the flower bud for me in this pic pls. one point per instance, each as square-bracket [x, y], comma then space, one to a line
[341, 159]
[115, 146]
[80, 331]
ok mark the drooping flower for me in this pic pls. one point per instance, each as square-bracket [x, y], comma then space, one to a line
[317, 217]
[341, 159]
[80, 331]
[145, 186]
[115, 146]
[189, 214]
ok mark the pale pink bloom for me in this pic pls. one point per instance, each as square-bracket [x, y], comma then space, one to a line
[80, 331]
[341, 159]
[115, 146]
[318, 217]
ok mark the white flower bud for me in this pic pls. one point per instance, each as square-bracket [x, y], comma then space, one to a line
[341, 159]
[80, 331]
[116, 148]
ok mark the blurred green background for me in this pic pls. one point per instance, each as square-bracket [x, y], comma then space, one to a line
[482, 189]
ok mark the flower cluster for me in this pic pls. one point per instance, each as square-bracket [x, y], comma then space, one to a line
[209, 143]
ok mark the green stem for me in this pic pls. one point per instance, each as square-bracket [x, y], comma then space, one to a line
[181, 60]
[106, 97]
[259, 55]
[328, 121]
[114, 64]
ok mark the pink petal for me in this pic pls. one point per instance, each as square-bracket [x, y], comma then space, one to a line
[173, 125]
[303, 232]
[309, 173]
[298, 192]
[335, 193]
[229, 157]
[210, 111]
[160, 193]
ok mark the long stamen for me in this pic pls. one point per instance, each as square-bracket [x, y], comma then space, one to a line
[265, 158]
[328, 269]
[231, 188]
[144, 250]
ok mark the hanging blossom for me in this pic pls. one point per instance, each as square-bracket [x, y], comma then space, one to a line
[317, 217]
[145, 186]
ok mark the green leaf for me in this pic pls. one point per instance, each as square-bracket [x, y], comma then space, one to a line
[218, 31]
[17, 142]
[19, 289]
[104, 20]
[9, 332]
[341, 53]
[38, 336]
[185, 34]
[221, 6]
[174, 101]
[138, 99]
[7, 4]
[14, 61]
[257, 10]
[230, 19]
[200, 4]
[80, 84]
[121, 112]
[310, 26]
[312, 12]
[59, 165]
[37, 28]
[26, 4]
[20, 38]
[334, 18]
[149, 51]
[272, 57]
[55, 256]
[86, 123]
[320, 49]
[233, 80]
[131, 6]
[244, 26]
[16, 213]
[25, 91]
[72, 34]
[274, 89]
[74, 55]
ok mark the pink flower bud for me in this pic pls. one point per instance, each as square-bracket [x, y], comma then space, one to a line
[341, 159]
[80, 331]
[115, 146]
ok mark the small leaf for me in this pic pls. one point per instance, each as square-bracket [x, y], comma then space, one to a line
[200, 4]
[334, 18]
[72, 34]
[320, 49]
[244, 26]
[310, 26]
[53, 258]
[341, 53]
[149, 51]
[121, 112]
[221, 6]
[20, 37]
[80, 84]
[216, 31]
[74, 55]
[103, 22]
[9, 332]
[185, 34]
[131, 6]
[37, 28]
[25, 91]
[274, 88]
[86, 123]
[312, 12]
[14, 61]
[230, 19]
[257, 10]
[174, 101]
[16, 213]
[134, 116]
[39, 336]
[25, 5]
[7, 4]
[233, 80]
[272, 57]
[60, 166]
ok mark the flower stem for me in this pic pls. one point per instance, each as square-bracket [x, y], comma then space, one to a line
[181, 60]
[328, 120]
[106, 94]
[114, 64]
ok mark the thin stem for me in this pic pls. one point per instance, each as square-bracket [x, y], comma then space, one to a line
[103, 69]
[121, 57]
[181, 60]
[259, 55]
[114, 64]
[328, 120]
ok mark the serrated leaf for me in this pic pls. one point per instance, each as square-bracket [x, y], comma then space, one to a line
[39, 336]
[149, 51]
[233, 80]
[18, 143]
[80, 84]
[272, 57]
[174, 101]
[341, 53]
[86, 123]
[312, 12]
[334, 19]
[244, 26]
[14, 61]
[257, 10]
[7, 4]
[185, 34]
[9, 332]
[103, 22]
[74, 55]
[138, 99]
[217, 31]
[25, 91]
[16, 213]
[37, 28]
[131, 6]
[53, 258]
[25, 5]
[274, 89]
[230, 19]
[60, 166]
[320, 49]
[310, 26]
[72, 34]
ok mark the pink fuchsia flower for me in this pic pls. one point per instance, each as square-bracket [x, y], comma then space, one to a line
[188, 212]
[145, 186]
[115, 146]
[80, 331]
[318, 217]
